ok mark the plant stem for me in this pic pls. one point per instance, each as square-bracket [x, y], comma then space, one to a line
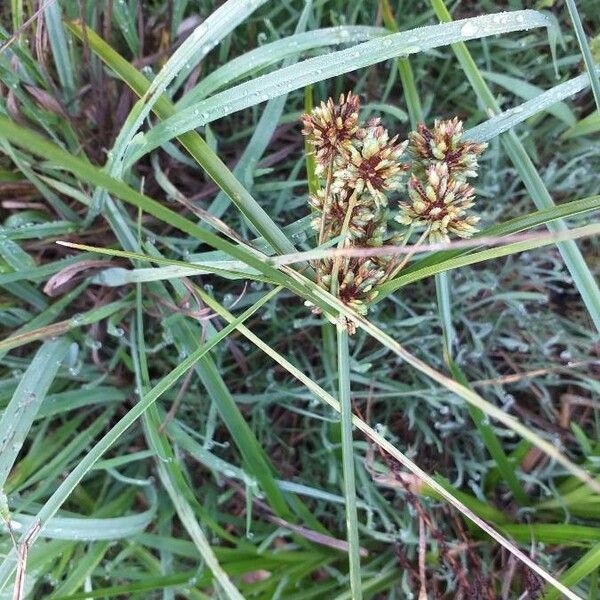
[407, 77]
[348, 460]
[410, 254]
[311, 163]
[442, 288]
[585, 50]
[335, 271]
[326, 201]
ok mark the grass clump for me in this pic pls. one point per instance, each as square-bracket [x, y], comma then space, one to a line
[175, 423]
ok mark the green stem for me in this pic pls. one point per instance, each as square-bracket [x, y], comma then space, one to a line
[442, 289]
[348, 461]
[311, 164]
[585, 50]
[337, 261]
[413, 103]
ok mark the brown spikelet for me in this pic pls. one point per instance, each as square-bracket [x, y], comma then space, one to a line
[331, 127]
[443, 143]
[439, 202]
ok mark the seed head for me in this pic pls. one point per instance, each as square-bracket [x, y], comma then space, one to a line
[356, 284]
[374, 165]
[443, 143]
[367, 223]
[331, 127]
[440, 202]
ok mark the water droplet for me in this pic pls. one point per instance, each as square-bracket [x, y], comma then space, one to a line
[228, 300]
[469, 29]
[28, 398]
[94, 344]
[77, 319]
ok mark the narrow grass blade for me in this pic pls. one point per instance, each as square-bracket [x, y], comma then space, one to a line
[527, 91]
[343, 355]
[90, 529]
[407, 77]
[263, 56]
[60, 51]
[320, 68]
[62, 327]
[19, 415]
[591, 124]
[84, 569]
[508, 119]
[585, 50]
[227, 268]
[126, 21]
[309, 157]
[492, 253]
[588, 563]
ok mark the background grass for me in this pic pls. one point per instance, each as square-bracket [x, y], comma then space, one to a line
[171, 430]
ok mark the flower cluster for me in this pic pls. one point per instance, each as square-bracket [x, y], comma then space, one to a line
[439, 194]
[331, 129]
[373, 167]
[359, 165]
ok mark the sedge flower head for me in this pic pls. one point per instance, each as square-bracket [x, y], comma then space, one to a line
[374, 166]
[441, 203]
[443, 143]
[331, 127]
